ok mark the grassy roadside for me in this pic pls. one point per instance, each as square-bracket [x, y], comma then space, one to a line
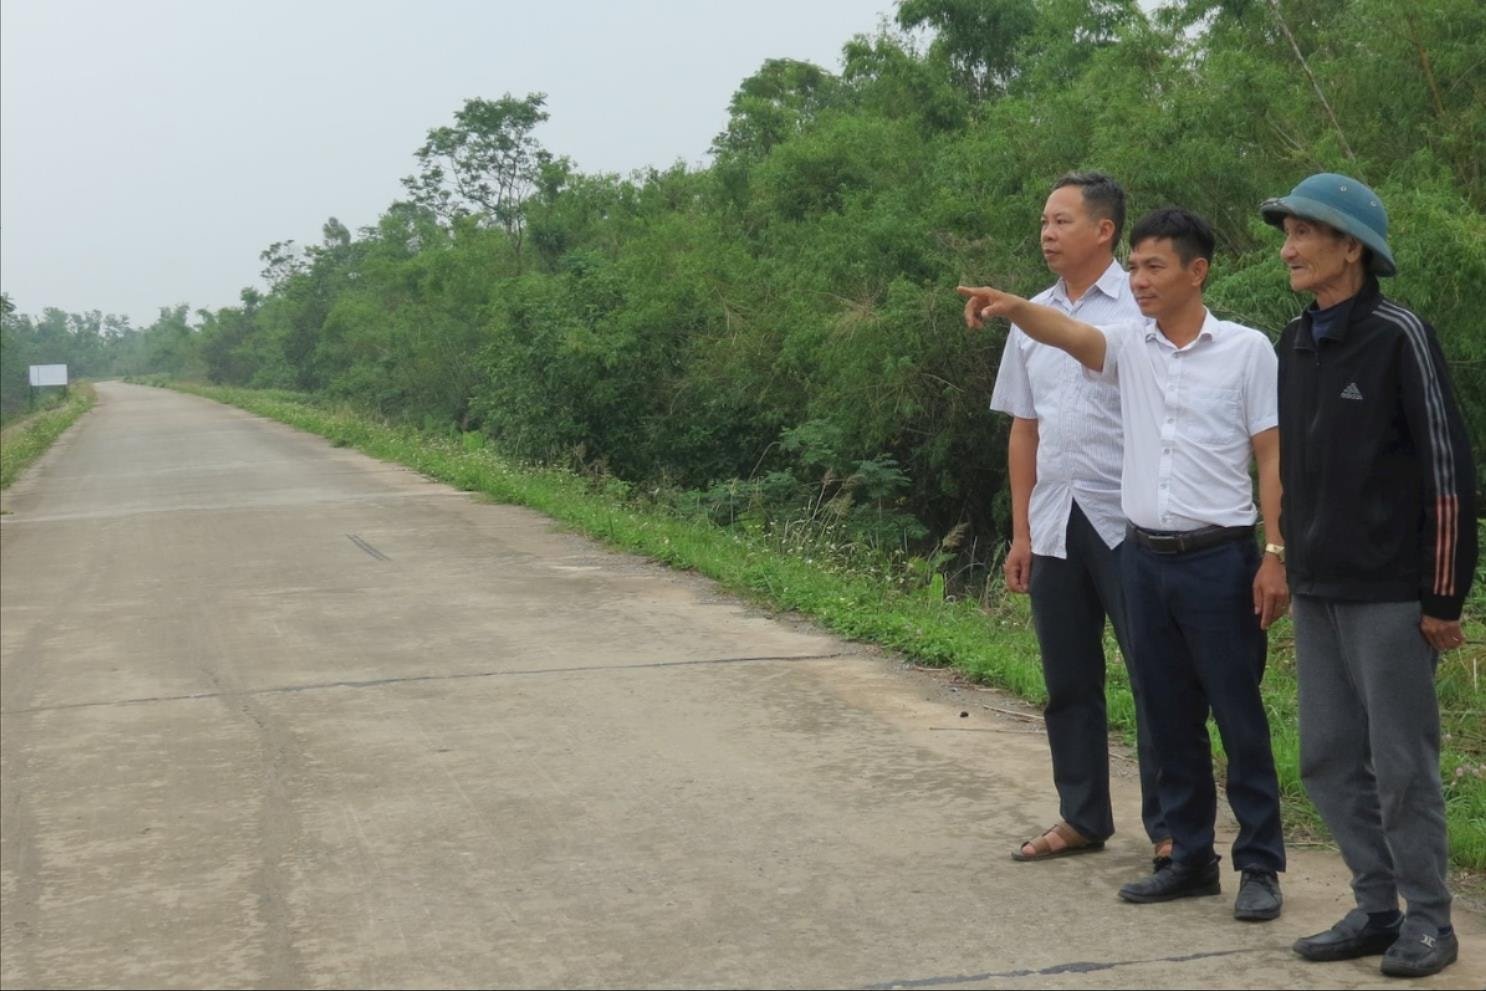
[990, 643]
[24, 440]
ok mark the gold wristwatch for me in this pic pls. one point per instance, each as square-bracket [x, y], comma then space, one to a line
[1278, 550]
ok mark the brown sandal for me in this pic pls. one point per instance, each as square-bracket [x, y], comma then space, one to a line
[1073, 842]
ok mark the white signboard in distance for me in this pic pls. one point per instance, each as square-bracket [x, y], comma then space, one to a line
[48, 375]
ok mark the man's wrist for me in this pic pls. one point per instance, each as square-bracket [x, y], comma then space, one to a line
[1276, 550]
[1441, 609]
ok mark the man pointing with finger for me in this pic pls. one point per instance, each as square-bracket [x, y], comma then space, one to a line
[1198, 403]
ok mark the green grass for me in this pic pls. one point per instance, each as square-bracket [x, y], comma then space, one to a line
[989, 642]
[26, 439]
[37, 402]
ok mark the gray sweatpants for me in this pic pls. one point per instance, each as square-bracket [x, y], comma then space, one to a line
[1370, 749]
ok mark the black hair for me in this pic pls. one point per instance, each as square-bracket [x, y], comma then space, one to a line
[1104, 198]
[1189, 234]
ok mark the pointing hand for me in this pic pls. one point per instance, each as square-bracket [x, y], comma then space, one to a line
[982, 302]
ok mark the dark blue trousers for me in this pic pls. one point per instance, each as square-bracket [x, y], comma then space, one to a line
[1197, 647]
[1070, 598]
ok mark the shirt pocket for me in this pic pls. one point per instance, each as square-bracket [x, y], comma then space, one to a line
[1214, 417]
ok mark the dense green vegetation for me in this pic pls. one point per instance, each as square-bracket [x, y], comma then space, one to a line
[772, 342]
[782, 321]
[91, 345]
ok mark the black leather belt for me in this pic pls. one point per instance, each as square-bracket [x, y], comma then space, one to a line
[1186, 541]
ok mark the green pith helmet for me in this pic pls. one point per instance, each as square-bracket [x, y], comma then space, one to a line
[1343, 203]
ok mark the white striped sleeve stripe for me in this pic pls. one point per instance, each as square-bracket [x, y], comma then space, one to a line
[1442, 456]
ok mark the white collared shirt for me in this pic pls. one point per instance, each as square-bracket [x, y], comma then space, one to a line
[1078, 418]
[1190, 415]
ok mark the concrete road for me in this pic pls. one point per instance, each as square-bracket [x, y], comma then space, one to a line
[278, 715]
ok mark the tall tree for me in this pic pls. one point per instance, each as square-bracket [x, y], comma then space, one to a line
[774, 103]
[978, 38]
[485, 166]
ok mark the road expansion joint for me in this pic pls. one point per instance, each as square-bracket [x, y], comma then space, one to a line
[1077, 967]
[415, 679]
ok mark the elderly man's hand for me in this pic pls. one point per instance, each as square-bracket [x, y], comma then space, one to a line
[1442, 634]
[983, 301]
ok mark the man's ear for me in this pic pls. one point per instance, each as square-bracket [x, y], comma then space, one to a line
[1199, 269]
[1106, 230]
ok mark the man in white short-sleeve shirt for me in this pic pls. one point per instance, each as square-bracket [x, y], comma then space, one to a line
[1198, 403]
[1190, 415]
[1063, 463]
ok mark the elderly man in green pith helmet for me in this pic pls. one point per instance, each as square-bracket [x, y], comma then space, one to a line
[1377, 511]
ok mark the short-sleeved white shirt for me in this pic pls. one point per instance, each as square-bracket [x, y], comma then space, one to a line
[1078, 418]
[1189, 416]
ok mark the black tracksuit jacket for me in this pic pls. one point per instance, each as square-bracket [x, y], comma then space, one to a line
[1379, 487]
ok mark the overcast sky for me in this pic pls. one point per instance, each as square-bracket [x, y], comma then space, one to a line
[150, 150]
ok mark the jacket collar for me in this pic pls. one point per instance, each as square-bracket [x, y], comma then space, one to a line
[1352, 309]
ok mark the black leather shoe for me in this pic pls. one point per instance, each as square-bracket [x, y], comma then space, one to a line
[1354, 936]
[1259, 898]
[1176, 881]
[1420, 952]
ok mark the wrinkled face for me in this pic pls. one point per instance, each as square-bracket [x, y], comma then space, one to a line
[1317, 255]
[1071, 239]
[1159, 281]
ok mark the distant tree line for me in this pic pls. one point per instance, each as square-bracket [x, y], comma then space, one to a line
[779, 327]
[91, 345]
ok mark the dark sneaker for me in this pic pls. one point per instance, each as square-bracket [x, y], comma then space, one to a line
[1420, 951]
[1354, 936]
[1175, 881]
[1259, 898]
